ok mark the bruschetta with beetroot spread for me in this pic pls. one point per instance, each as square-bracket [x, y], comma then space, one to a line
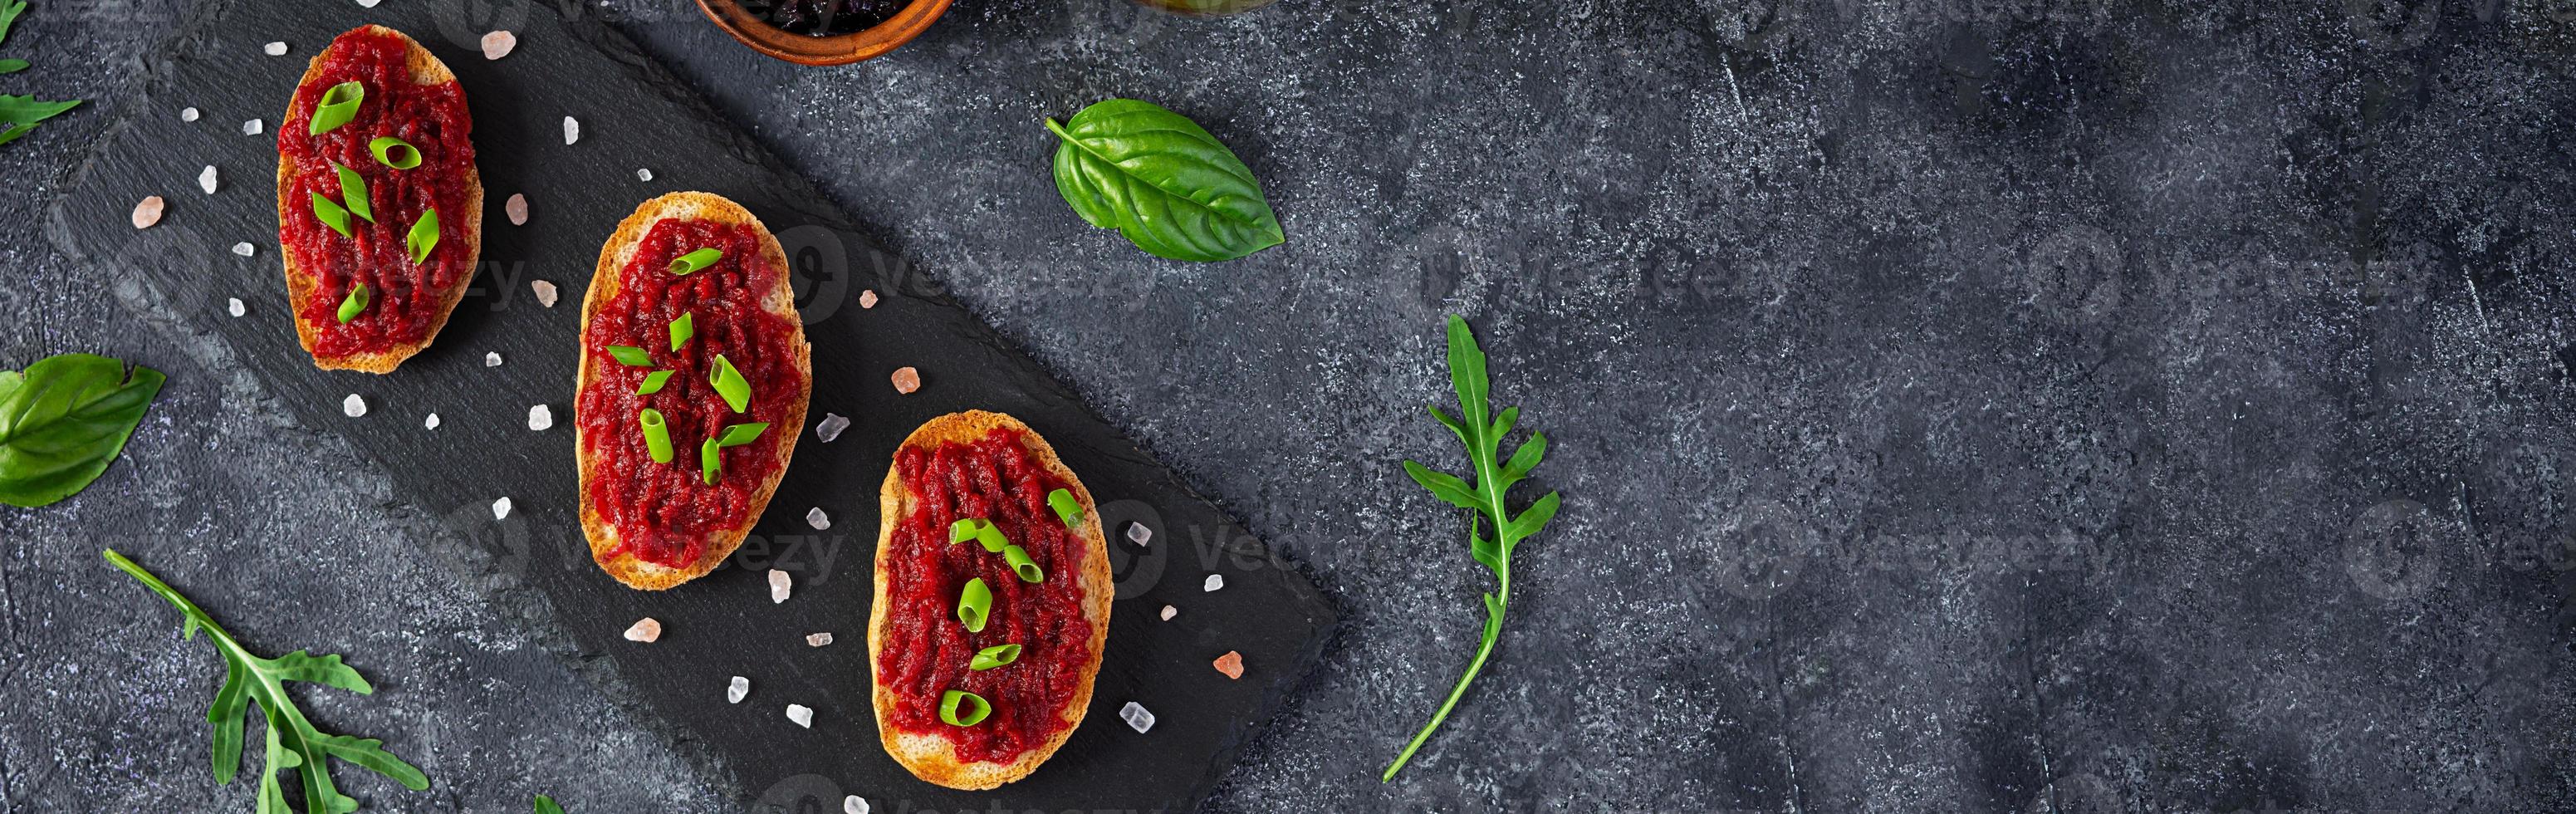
[692, 388]
[992, 602]
[379, 206]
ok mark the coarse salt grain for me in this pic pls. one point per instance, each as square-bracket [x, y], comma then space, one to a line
[367, 3]
[275, 49]
[252, 127]
[830, 427]
[1215, 581]
[234, 307]
[188, 114]
[801, 714]
[148, 212]
[517, 206]
[546, 293]
[353, 406]
[646, 630]
[1231, 664]
[245, 249]
[1136, 716]
[906, 380]
[540, 417]
[643, 174]
[206, 179]
[868, 298]
[498, 44]
[501, 509]
[780, 585]
[572, 130]
[738, 689]
[816, 518]
[818, 640]
[1137, 533]
[1169, 612]
[492, 359]
[429, 423]
[854, 804]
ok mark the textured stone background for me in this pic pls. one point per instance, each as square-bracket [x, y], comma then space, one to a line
[2055, 405]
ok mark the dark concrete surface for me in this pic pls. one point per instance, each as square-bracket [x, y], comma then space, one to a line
[2055, 405]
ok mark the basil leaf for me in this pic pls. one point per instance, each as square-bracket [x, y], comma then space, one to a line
[1162, 181]
[64, 420]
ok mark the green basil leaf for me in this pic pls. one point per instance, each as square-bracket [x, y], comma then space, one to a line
[1162, 181]
[64, 420]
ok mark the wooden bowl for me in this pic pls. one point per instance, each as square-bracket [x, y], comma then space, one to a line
[838, 49]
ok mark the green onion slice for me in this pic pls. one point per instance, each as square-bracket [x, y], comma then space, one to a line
[653, 384]
[657, 435]
[708, 463]
[355, 304]
[423, 237]
[740, 434]
[980, 530]
[682, 329]
[394, 152]
[1019, 559]
[353, 194]
[339, 106]
[1066, 507]
[330, 214]
[693, 261]
[631, 356]
[975, 604]
[1000, 655]
[731, 385]
[962, 708]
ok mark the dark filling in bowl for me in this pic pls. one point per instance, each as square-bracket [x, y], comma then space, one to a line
[823, 18]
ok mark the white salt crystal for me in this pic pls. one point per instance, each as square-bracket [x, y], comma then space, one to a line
[647, 630]
[245, 249]
[643, 174]
[252, 127]
[368, 3]
[353, 406]
[430, 423]
[518, 209]
[572, 130]
[275, 49]
[1169, 612]
[188, 115]
[147, 212]
[780, 584]
[1136, 716]
[501, 509]
[830, 427]
[540, 417]
[499, 44]
[234, 306]
[1215, 581]
[206, 179]
[546, 292]
[854, 804]
[816, 518]
[492, 359]
[818, 640]
[802, 715]
[1137, 533]
[738, 690]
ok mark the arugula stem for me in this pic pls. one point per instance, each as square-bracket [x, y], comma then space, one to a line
[1494, 622]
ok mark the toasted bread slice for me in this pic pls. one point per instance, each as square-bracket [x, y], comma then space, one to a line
[425, 70]
[779, 300]
[933, 757]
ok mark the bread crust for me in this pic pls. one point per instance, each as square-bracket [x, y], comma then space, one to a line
[425, 70]
[779, 300]
[932, 757]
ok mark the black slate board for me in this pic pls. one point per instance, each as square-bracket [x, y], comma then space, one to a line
[635, 116]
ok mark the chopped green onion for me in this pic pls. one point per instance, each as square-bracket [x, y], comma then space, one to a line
[740, 434]
[353, 194]
[696, 260]
[330, 214]
[962, 708]
[355, 304]
[423, 237]
[653, 382]
[682, 329]
[338, 106]
[657, 435]
[1066, 507]
[1019, 559]
[708, 463]
[395, 153]
[979, 530]
[730, 384]
[974, 603]
[1000, 655]
[631, 356]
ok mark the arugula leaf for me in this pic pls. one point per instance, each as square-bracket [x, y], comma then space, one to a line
[12, 65]
[546, 805]
[64, 420]
[1163, 181]
[15, 132]
[9, 11]
[293, 742]
[1483, 435]
[27, 110]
